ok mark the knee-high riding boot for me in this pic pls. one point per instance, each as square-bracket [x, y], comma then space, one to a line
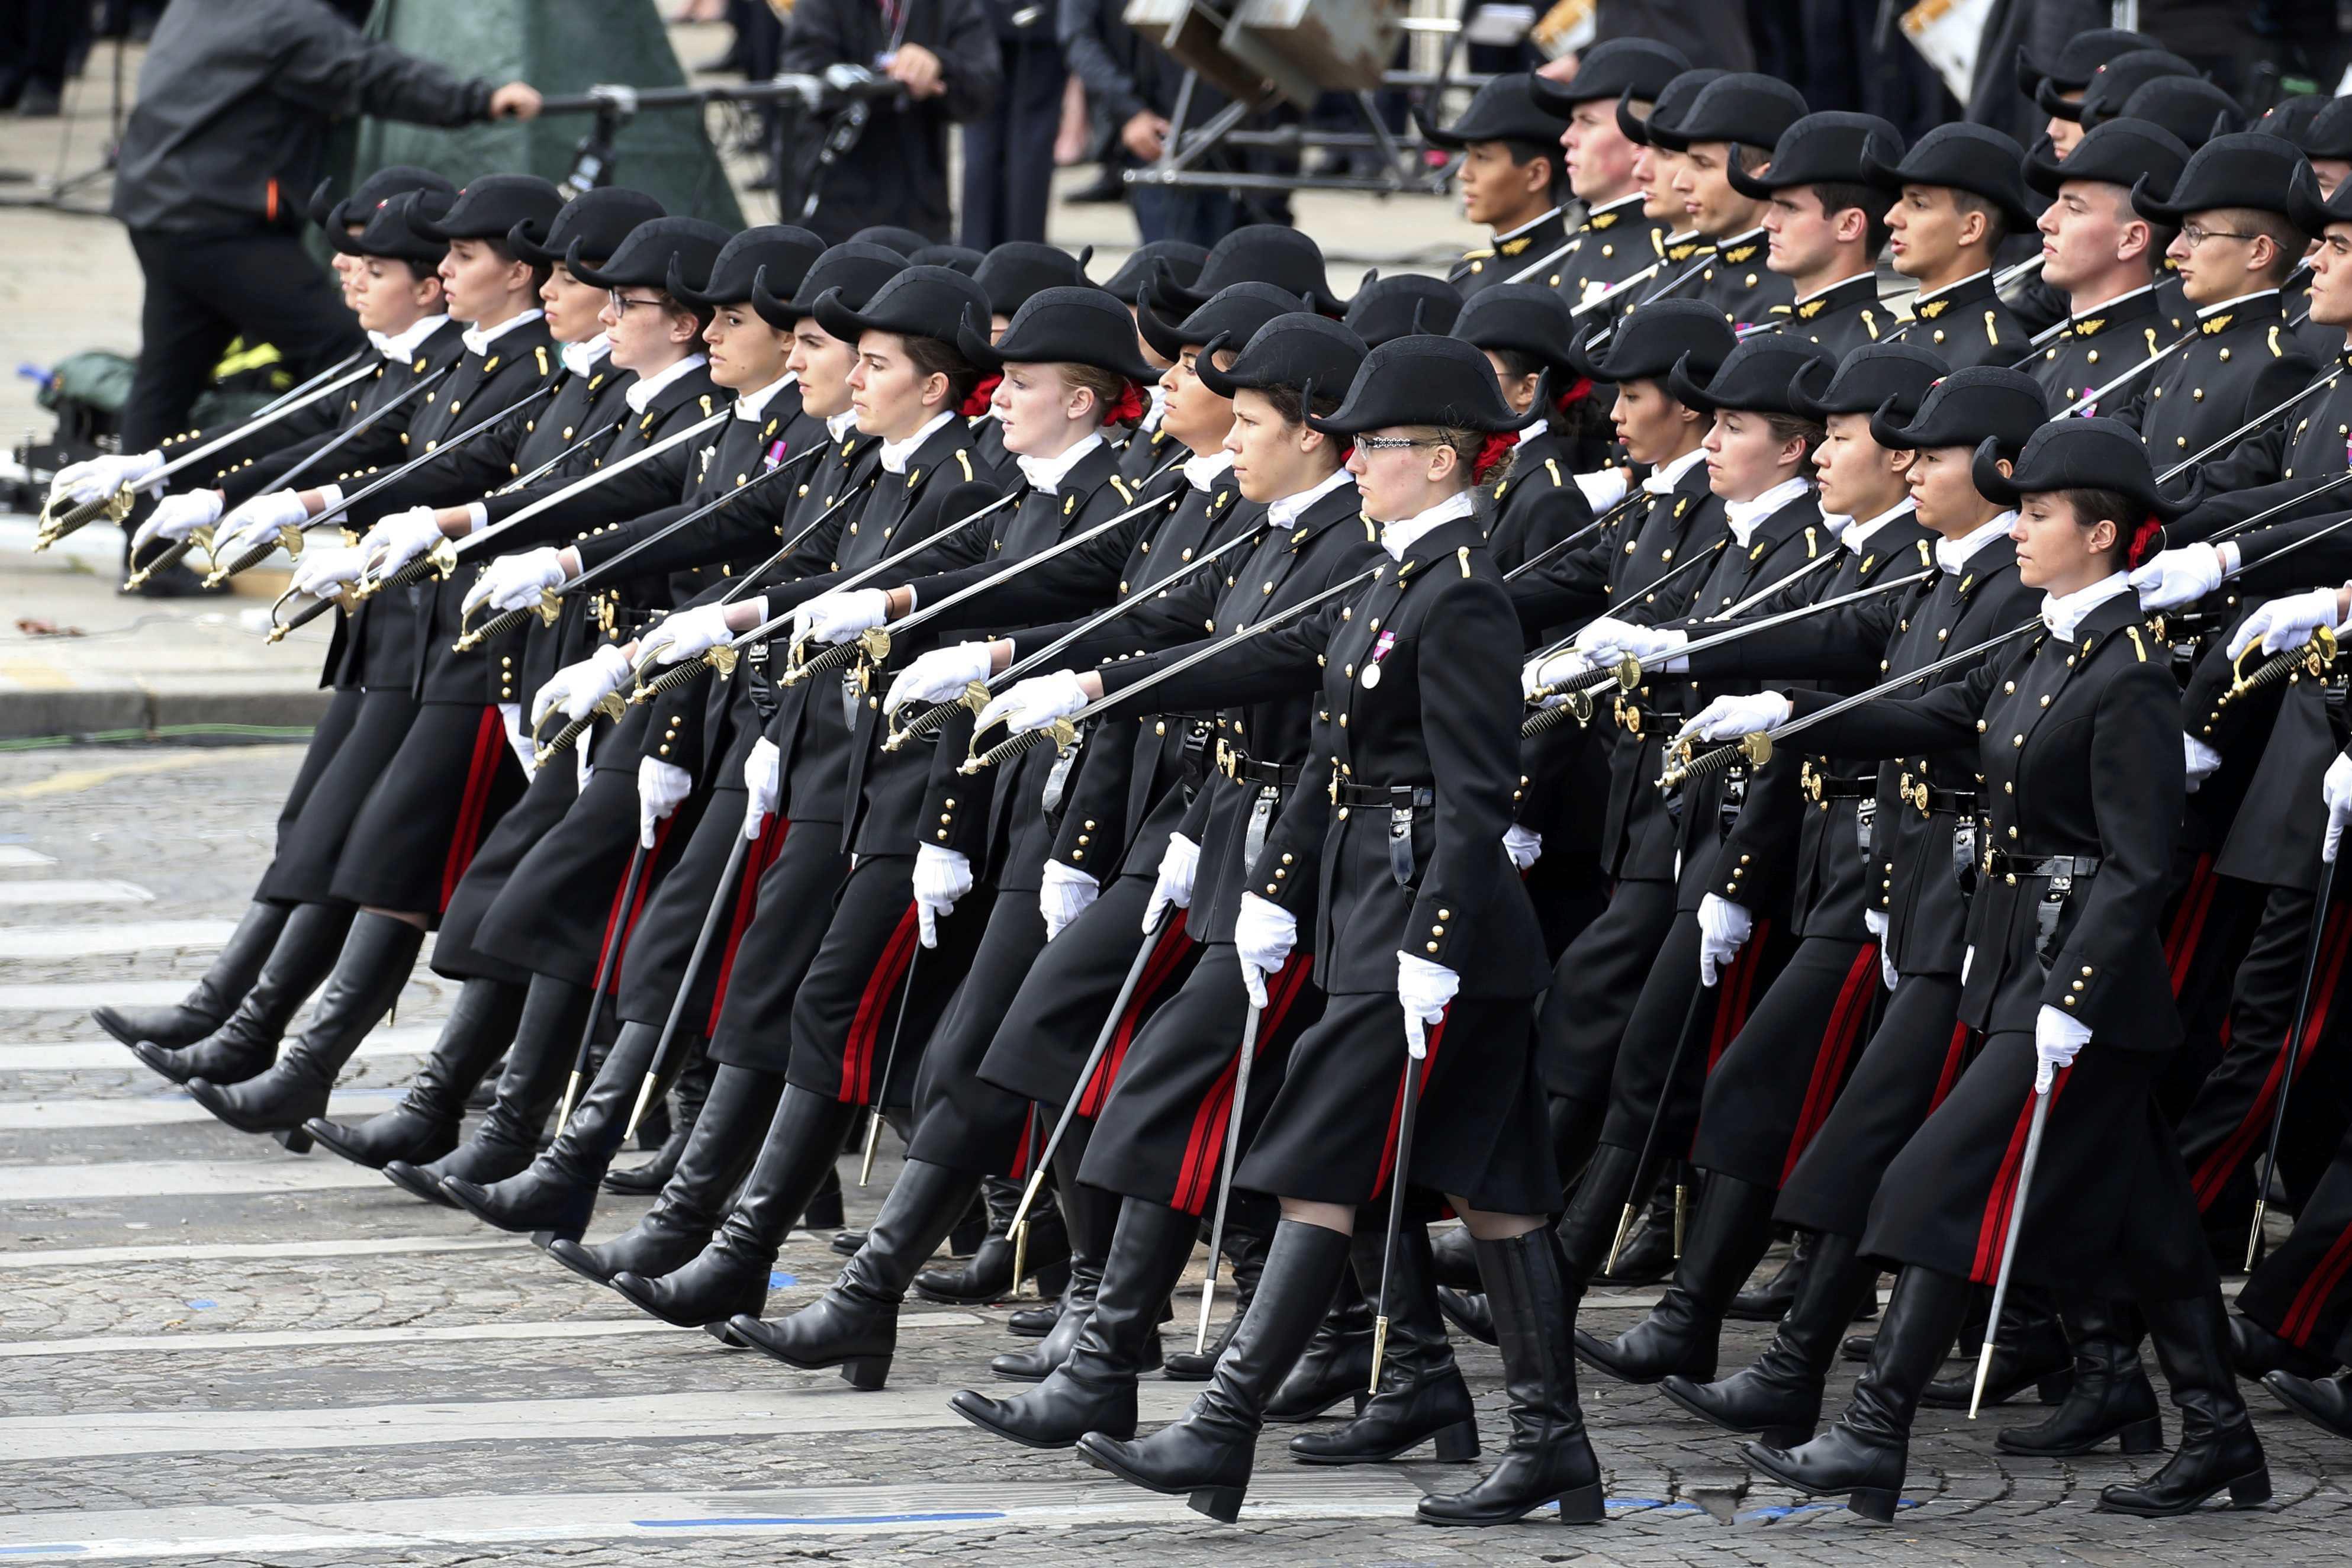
[1422, 1394]
[2111, 1397]
[246, 1043]
[1779, 1397]
[546, 1042]
[1091, 1217]
[424, 1125]
[2218, 1446]
[214, 997]
[1728, 1233]
[1337, 1363]
[693, 1093]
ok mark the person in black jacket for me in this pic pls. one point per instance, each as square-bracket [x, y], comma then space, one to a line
[1008, 153]
[1133, 84]
[233, 105]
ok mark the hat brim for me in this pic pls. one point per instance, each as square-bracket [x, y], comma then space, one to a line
[1166, 337]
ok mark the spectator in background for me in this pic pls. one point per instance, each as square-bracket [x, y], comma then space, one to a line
[1134, 83]
[1008, 154]
[1849, 58]
[38, 41]
[1713, 33]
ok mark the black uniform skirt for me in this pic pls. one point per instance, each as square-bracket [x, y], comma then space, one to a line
[707, 827]
[2109, 1212]
[332, 786]
[452, 780]
[327, 737]
[795, 894]
[1650, 1067]
[1773, 1088]
[1593, 988]
[2303, 1290]
[1160, 1134]
[541, 809]
[1330, 1136]
[1910, 1064]
[851, 1040]
[558, 907]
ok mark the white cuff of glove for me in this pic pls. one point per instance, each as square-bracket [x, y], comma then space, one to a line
[2056, 1039]
[940, 676]
[1264, 934]
[1604, 488]
[1523, 845]
[942, 877]
[662, 788]
[762, 784]
[1064, 896]
[1179, 863]
[1034, 703]
[477, 517]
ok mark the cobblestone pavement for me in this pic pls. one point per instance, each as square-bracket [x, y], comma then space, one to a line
[209, 1361]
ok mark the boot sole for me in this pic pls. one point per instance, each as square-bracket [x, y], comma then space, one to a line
[1594, 1353]
[863, 1373]
[115, 1024]
[1781, 1437]
[425, 1187]
[2142, 1436]
[1222, 1504]
[1580, 1505]
[1456, 1445]
[2297, 1407]
[2050, 1390]
[2248, 1490]
[289, 1136]
[984, 1424]
[571, 1255]
[651, 1311]
[1871, 1502]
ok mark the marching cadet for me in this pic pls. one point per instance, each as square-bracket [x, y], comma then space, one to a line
[2102, 253]
[1827, 226]
[1512, 180]
[2112, 82]
[1683, 253]
[1616, 238]
[1401, 306]
[2070, 986]
[1147, 448]
[1529, 337]
[2065, 78]
[1010, 275]
[1958, 194]
[1736, 116]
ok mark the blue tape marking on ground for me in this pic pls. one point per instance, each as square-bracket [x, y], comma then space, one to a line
[202, 1304]
[727, 1520]
[42, 1550]
[780, 1281]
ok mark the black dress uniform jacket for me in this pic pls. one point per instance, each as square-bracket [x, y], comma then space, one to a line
[1842, 318]
[248, 469]
[1538, 503]
[1612, 243]
[1968, 325]
[2095, 346]
[1512, 253]
[1737, 283]
[2243, 361]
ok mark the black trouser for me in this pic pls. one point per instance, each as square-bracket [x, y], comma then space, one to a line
[1008, 156]
[37, 43]
[203, 290]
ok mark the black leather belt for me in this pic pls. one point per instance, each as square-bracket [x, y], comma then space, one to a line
[1926, 800]
[1820, 786]
[1395, 797]
[2004, 863]
[1243, 769]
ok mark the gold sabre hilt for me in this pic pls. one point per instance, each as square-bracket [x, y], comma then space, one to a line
[2311, 659]
[497, 625]
[609, 704]
[1755, 748]
[290, 539]
[113, 508]
[170, 556]
[1553, 717]
[928, 722]
[722, 659]
[1061, 732]
[873, 645]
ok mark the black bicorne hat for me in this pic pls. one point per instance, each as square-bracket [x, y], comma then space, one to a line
[1505, 110]
[1256, 252]
[1401, 306]
[2077, 454]
[1018, 270]
[378, 188]
[596, 221]
[1889, 376]
[1673, 102]
[2293, 118]
[394, 230]
[1824, 149]
[656, 254]
[1181, 259]
[785, 252]
[1300, 350]
[1962, 157]
[2329, 134]
[1652, 340]
[920, 302]
[1081, 325]
[2078, 61]
[2307, 210]
[856, 270]
[2245, 169]
[963, 257]
[1521, 317]
[1441, 382]
[2118, 152]
[1968, 407]
[1745, 107]
[1614, 68]
[905, 241]
[1234, 313]
[491, 207]
[2190, 107]
[2114, 81]
[1758, 376]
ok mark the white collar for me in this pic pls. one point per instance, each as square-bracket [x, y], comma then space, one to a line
[896, 452]
[1157, 410]
[401, 345]
[1592, 212]
[2203, 311]
[837, 425]
[580, 359]
[1728, 241]
[1046, 474]
[1662, 481]
[479, 339]
[1286, 510]
[1747, 517]
[1954, 554]
[2077, 312]
[753, 405]
[1398, 537]
[1826, 288]
[1535, 221]
[1853, 535]
[647, 388]
[375, 340]
[1542, 426]
[2063, 613]
[1980, 272]
[1204, 469]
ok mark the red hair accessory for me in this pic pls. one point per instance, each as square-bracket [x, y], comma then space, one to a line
[1129, 409]
[1577, 393]
[983, 395]
[2147, 534]
[1494, 451]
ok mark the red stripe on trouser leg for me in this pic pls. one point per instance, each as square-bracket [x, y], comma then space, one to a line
[489, 740]
[771, 845]
[1954, 1054]
[1019, 1170]
[857, 1050]
[1835, 1051]
[2212, 1177]
[637, 897]
[1206, 1142]
[1994, 1228]
[2188, 922]
[1396, 1111]
[1735, 988]
[1166, 954]
[2302, 1313]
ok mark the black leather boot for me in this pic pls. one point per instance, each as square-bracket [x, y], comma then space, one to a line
[854, 1324]
[2218, 1447]
[1769, 1301]
[1653, 1247]
[1093, 1389]
[2111, 1396]
[1091, 1217]
[1338, 1364]
[558, 1194]
[1728, 1231]
[688, 1099]
[374, 964]
[2256, 1352]
[247, 1042]
[2031, 1352]
[728, 1134]
[1245, 1249]
[1205, 1456]
[546, 1042]
[208, 1005]
[424, 1125]
[730, 1275]
[1779, 1397]
[1422, 1394]
[1589, 1225]
[2324, 1401]
[1469, 1311]
[987, 1276]
[1454, 1259]
[1548, 1458]
[1864, 1457]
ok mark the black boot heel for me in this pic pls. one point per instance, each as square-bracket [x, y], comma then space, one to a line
[1585, 1505]
[1872, 1503]
[2251, 1492]
[1222, 1504]
[296, 1140]
[1458, 1444]
[866, 1372]
[2143, 1436]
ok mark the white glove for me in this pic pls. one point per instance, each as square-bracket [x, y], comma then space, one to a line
[397, 539]
[1524, 847]
[662, 788]
[2056, 1039]
[688, 635]
[1567, 669]
[1264, 934]
[837, 617]
[1423, 988]
[941, 877]
[940, 675]
[516, 581]
[578, 688]
[2199, 758]
[1723, 928]
[258, 520]
[763, 781]
[2178, 576]
[1064, 897]
[1874, 921]
[1034, 703]
[97, 478]
[1651, 643]
[2336, 789]
[518, 741]
[1728, 718]
[319, 571]
[2287, 622]
[1178, 866]
[176, 517]
[1604, 638]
